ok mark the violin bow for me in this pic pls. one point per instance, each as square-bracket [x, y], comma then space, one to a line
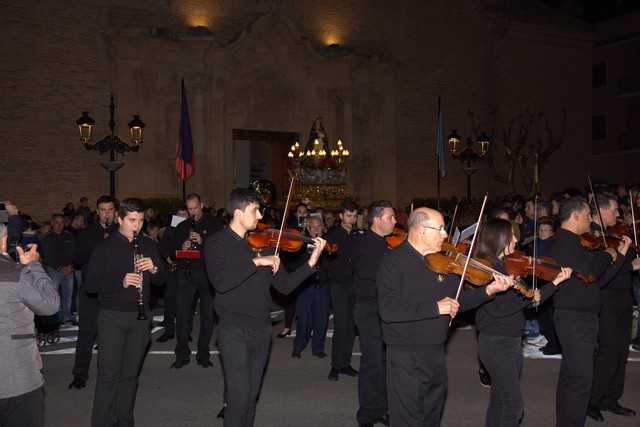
[633, 221]
[473, 243]
[453, 220]
[595, 202]
[286, 212]
[535, 246]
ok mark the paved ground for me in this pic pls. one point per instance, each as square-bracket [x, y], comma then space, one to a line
[296, 392]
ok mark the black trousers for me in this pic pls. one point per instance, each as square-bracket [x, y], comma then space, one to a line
[578, 334]
[244, 353]
[502, 357]
[416, 387]
[614, 333]
[87, 331]
[547, 327]
[188, 285]
[25, 410]
[344, 331]
[123, 340]
[372, 378]
[170, 303]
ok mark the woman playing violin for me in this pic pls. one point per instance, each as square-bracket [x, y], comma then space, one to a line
[500, 323]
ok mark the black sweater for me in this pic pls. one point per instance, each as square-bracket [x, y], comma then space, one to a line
[504, 315]
[338, 265]
[88, 239]
[110, 261]
[408, 295]
[565, 248]
[206, 226]
[242, 296]
[368, 251]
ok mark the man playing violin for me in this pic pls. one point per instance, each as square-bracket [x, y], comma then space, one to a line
[416, 306]
[367, 253]
[241, 278]
[614, 321]
[577, 305]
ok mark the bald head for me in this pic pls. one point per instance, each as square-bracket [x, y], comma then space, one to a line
[426, 230]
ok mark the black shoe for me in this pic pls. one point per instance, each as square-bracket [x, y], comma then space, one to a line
[281, 335]
[594, 413]
[220, 415]
[77, 384]
[165, 337]
[295, 354]
[204, 363]
[349, 371]
[384, 420]
[365, 424]
[485, 378]
[320, 355]
[333, 374]
[550, 351]
[619, 410]
[178, 364]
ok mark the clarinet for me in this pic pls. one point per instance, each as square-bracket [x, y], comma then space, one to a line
[187, 269]
[142, 315]
[106, 229]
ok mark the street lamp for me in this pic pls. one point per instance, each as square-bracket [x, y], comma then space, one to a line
[111, 142]
[468, 155]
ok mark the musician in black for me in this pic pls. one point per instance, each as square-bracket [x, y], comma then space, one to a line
[614, 321]
[118, 276]
[367, 254]
[191, 234]
[416, 306]
[577, 305]
[241, 278]
[88, 239]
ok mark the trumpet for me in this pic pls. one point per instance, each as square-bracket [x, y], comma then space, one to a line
[142, 315]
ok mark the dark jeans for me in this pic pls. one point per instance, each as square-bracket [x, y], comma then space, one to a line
[313, 306]
[614, 332]
[87, 331]
[26, 410]
[372, 378]
[123, 340]
[578, 333]
[344, 331]
[188, 285]
[416, 386]
[502, 357]
[244, 353]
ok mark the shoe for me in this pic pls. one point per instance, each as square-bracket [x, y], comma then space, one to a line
[320, 355]
[635, 341]
[65, 325]
[220, 415]
[485, 378]
[384, 420]
[333, 374]
[619, 410]
[594, 413]
[77, 384]
[349, 371]
[635, 347]
[365, 424]
[295, 354]
[165, 337]
[539, 341]
[178, 364]
[550, 352]
[204, 363]
[286, 334]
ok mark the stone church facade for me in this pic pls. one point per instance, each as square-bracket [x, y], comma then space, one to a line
[373, 69]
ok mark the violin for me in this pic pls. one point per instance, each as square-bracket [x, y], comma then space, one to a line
[519, 265]
[291, 240]
[397, 236]
[594, 240]
[479, 272]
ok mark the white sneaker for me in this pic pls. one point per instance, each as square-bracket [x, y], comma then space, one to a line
[539, 341]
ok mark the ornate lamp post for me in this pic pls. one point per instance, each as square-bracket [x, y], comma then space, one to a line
[111, 142]
[468, 155]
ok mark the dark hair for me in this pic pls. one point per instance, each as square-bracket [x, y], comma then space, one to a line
[569, 206]
[130, 205]
[104, 199]
[193, 196]
[547, 220]
[240, 198]
[348, 206]
[603, 200]
[544, 206]
[376, 209]
[76, 216]
[493, 237]
[496, 212]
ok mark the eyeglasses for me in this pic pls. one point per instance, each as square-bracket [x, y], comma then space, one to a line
[439, 229]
